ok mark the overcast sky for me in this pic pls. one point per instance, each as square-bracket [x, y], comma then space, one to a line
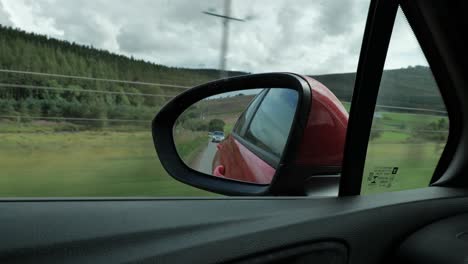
[303, 36]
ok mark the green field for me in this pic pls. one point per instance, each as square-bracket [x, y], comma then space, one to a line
[189, 144]
[346, 105]
[396, 146]
[415, 163]
[84, 164]
[39, 159]
[401, 146]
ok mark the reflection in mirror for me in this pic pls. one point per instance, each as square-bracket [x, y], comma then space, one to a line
[237, 135]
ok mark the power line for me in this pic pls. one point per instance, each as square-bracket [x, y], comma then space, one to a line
[149, 84]
[222, 16]
[21, 86]
[6, 85]
[412, 108]
[407, 108]
[95, 79]
[409, 131]
[146, 121]
[75, 118]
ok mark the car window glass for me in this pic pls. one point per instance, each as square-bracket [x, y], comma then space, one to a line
[81, 81]
[270, 126]
[410, 124]
[242, 123]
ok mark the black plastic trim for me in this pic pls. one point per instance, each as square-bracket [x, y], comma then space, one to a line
[377, 35]
[324, 252]
[438, 243]
[215, 230]
[244, 129]
[437, 35]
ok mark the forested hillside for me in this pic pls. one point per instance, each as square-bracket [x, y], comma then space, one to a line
[47, 96]
[30, 52]
[413, 87]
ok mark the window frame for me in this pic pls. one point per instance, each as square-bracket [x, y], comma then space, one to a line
[430, 36]
[270, 158]
[264, 155]
[260, 96]
[377, 34]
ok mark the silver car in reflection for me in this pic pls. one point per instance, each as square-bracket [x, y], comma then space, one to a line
[217, 136]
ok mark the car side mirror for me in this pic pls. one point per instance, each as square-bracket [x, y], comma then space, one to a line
[259, 134]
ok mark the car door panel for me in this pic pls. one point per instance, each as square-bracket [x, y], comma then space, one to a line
[215, 230]
[242, 164]
[445, 241]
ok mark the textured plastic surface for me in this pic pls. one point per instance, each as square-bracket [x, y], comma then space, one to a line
[443, 242]
[330, 252]
[214, 230]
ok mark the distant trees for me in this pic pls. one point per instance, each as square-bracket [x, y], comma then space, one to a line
[377, 129]
[31, 52]
[408, 87]
[7, 106]
[216, 125]
[196, 125]
[436, 131]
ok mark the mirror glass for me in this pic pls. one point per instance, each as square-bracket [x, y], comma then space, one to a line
[238, 135]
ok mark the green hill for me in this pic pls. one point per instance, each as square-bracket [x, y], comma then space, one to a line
[409, 87]
[30, 52]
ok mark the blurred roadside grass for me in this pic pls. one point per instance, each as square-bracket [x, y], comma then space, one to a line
[190, 143]
[48, 159]
[86, 163]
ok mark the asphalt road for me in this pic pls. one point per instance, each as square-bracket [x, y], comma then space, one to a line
[204, 161]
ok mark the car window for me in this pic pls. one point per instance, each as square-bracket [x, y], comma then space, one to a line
[81, 82]
[270, 126]
[410, 124]
[242, 123]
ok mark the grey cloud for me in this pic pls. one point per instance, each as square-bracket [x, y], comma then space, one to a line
[4, 17]
[140, 38]
[336, 17]
[301, 36]
[174, 36]
[338, 62]
[404, 48]
[287, 20]
[130, 40]
[79, 20]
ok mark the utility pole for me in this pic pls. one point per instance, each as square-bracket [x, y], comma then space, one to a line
[225, 37]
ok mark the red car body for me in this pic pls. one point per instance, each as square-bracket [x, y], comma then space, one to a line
[322, 143]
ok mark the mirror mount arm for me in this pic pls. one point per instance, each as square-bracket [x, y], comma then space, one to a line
[293, 185]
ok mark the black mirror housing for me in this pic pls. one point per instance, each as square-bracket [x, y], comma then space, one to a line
[163, 123]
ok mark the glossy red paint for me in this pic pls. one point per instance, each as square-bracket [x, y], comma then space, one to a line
[325, 133]
[241, 164]
[321, 147]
